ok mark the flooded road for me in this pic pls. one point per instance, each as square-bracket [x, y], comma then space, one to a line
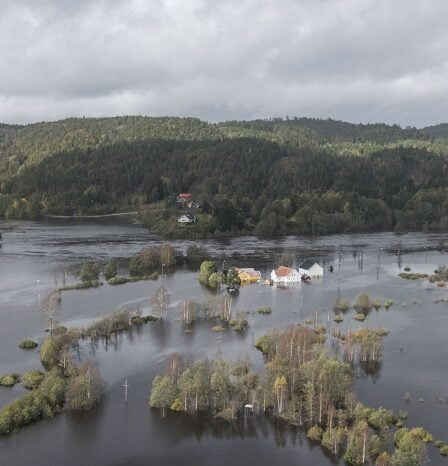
[36, 256]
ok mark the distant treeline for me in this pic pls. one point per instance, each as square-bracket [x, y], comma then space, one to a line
[264, 177]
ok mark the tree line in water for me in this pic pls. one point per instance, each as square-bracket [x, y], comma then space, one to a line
[303, 385]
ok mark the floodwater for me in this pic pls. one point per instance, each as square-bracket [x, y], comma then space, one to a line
[35, 256]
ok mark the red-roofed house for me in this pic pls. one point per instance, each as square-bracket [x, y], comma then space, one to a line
[285, 275]
[184, 197]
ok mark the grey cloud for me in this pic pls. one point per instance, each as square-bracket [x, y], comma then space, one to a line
[359, 60]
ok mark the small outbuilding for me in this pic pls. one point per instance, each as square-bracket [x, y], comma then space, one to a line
[311, 268]
[186, 218]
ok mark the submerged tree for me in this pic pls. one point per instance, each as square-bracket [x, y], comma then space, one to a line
[90, 271]
[49, 309]
[85, 388]
[111, 270]
[163, 393]
[160, 302]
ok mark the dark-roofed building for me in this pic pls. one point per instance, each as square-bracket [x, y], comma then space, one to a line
[311, 268]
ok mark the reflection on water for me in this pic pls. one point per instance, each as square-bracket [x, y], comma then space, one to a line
[34, 256]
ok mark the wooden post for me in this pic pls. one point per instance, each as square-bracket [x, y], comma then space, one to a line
[126, 386]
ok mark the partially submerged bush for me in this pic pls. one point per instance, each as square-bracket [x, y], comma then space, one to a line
[90, 272]
[111, 270]
[117, 280]
[376, 303]
[45, 401]
[341, 305]
[239, 323]
[32, 379]
[9, 380]
[28, 344]
[363, 302]
[137, 319]
[436, 278]
[263, 344]
[444, 450]
[177, 406]
[315, 433]
[413, 276]
[264, 310]
[49, 352]
[218, 328]
[338, 318]
[388, 303]
[147, 319]
[422, 434]
[360, 316]
[228, 414]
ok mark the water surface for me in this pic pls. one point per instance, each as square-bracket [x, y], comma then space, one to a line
[36, 256]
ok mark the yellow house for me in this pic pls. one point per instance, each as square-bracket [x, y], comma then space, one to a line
[248, 275]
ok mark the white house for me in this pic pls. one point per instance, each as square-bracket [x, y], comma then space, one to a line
[285, 275]
[311, 268]
[185, 218]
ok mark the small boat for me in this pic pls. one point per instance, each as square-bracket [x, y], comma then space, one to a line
[232, 289]
[305, 278]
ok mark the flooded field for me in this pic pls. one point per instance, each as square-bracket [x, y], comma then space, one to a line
[36, 256]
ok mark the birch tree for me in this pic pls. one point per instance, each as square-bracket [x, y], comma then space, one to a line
[160, 302]
[49, 309]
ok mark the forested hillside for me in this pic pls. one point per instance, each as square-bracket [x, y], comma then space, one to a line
[268, 177]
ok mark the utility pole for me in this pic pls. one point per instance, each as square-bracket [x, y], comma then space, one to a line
[340, 256]
[252, 331]
[126, 386]
[379, 264]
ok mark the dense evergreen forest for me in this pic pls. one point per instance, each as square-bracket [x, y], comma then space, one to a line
[264, 177]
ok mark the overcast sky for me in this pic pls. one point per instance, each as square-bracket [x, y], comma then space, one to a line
[354, 60]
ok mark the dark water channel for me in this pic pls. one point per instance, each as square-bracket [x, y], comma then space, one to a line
[34, 257]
